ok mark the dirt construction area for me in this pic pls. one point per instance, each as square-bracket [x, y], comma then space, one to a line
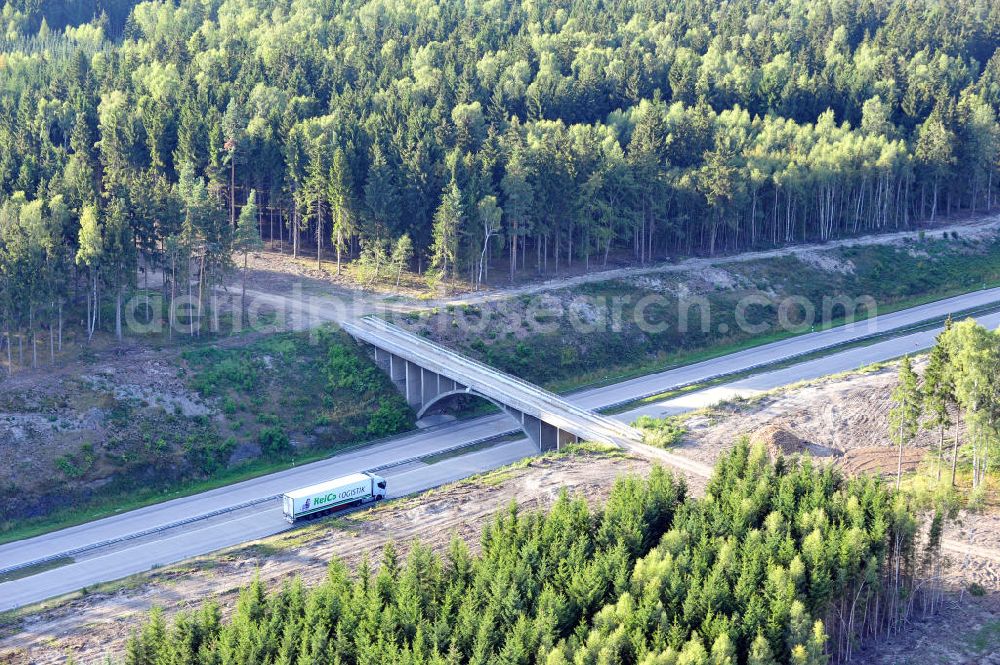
[841, 419]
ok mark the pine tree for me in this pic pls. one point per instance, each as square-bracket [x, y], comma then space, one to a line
[247, 240]
[518, 205]
[381, 195]
[402, 254]
[724, 651]
[318, 189]
[341, 206]
[816, 646]
[372, 260]
[935, 153]
[939, 393]
[119, 255]
[760, 652]
[447, 221]
[234, 129]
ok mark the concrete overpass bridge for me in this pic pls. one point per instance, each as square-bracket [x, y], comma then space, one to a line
[427, 373]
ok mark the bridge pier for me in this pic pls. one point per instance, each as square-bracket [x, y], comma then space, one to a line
[397, 372]
[565, 438]
[547, 437]
[532, 426]
[550, 437]
[413, 386]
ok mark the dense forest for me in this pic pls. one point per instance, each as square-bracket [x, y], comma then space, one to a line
[453, 136]
[781, 562]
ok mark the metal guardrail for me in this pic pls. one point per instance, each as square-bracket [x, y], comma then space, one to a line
[233, 508]
[886, 334]
[751, 368]
[135, 535]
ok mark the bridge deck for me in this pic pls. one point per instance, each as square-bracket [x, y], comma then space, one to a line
[487, 381]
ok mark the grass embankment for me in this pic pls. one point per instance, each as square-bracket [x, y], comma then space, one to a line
[288, 387]
[661, 432]
[281, 400]
[551, 350]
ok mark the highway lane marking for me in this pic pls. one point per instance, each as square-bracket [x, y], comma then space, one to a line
[407, 440]
[274, 479]
[88, 563]
[228, 522]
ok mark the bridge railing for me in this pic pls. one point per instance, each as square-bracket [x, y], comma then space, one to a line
[381, 329]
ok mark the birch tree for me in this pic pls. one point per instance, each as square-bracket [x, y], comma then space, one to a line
[489, 216]
[91, 249]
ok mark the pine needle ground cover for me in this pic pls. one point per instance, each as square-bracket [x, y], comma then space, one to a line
[779, 563]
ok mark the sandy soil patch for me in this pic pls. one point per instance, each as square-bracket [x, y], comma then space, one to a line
[844, 418]
[827, 261]
[965, 632]
[54, 410]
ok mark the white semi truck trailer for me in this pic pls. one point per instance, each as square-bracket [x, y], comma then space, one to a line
[322, 498]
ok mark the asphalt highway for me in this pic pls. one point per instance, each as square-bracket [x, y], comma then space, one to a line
[232, 528]
[171, 531]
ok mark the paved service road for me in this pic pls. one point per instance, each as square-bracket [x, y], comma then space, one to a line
[205, 535]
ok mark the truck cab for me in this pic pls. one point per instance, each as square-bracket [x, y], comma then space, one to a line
[378, 487]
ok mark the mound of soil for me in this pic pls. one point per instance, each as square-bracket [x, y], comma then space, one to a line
[831, 416]
[779, 440]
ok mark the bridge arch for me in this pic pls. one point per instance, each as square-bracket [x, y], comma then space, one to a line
[544, 435]
[437, 399]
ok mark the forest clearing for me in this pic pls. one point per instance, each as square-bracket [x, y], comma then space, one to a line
[113, 409]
